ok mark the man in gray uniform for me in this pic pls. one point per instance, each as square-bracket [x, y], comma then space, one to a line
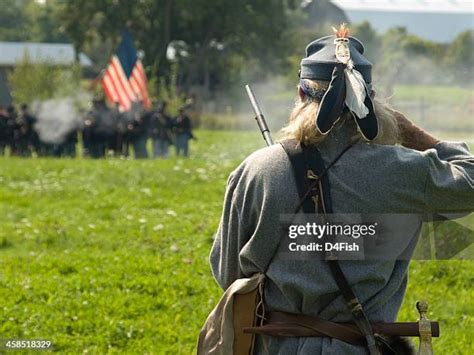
[392, 167]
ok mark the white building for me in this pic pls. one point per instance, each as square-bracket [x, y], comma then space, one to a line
[436, 20]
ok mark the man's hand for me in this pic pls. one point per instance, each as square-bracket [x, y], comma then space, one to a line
[412, 136]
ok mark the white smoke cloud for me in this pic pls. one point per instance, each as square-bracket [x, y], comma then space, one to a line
[56, 118]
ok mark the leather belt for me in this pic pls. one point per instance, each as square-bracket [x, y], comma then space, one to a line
[282, 324]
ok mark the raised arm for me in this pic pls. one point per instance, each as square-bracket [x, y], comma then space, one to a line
[449, 185]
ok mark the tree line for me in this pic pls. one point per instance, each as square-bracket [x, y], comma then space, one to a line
[213, 45]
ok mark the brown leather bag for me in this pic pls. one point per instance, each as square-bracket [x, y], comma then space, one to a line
[246, 314]
[241, 306]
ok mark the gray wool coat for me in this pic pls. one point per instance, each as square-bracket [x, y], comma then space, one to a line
[369, 178]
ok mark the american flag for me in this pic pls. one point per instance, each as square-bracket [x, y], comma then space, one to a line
[124, 80]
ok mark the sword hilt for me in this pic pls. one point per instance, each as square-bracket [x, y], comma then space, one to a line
[424, 326]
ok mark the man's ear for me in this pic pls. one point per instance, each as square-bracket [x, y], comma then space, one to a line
[301, 93]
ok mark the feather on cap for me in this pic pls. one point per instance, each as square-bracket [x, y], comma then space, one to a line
[350, 72]
[342, 31]
[320, 57]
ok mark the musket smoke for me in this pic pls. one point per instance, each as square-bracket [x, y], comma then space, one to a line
[56, 119]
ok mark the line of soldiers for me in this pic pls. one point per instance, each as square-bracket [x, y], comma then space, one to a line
[17, 132]
[111, 130]
[103, 130]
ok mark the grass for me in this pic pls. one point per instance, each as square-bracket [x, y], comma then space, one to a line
[433, 107]
[435, 94]
[111, 256]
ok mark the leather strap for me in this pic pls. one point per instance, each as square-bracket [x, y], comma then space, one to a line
[354, 305]
[285, 324]
[306, 159]
[318, 325]
[301, 161]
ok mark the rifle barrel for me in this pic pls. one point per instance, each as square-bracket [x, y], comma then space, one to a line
[262, 124]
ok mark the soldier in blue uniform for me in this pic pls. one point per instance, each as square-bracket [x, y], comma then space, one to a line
[160, 131]
[137, 129]
[182, 132]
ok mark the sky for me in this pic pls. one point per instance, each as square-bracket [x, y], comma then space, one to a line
[436, 20]
[442, 6]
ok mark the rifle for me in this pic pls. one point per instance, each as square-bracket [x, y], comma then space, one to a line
[262, 124]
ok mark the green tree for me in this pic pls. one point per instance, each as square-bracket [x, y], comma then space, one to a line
[43, 81]
[44, 25]
[213, 33]
[29, 20]
[409, 59]
[14, 21]
[369, 37]
[460, 57]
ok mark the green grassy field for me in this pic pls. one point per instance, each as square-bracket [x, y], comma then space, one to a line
[111, 256]
[449, 95]
[433, 107]
[445, 94]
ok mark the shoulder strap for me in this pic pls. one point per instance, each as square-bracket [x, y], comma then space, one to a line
[308, 169]
[313, 188]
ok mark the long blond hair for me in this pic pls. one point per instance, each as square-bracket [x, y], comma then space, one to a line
[302, 127]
